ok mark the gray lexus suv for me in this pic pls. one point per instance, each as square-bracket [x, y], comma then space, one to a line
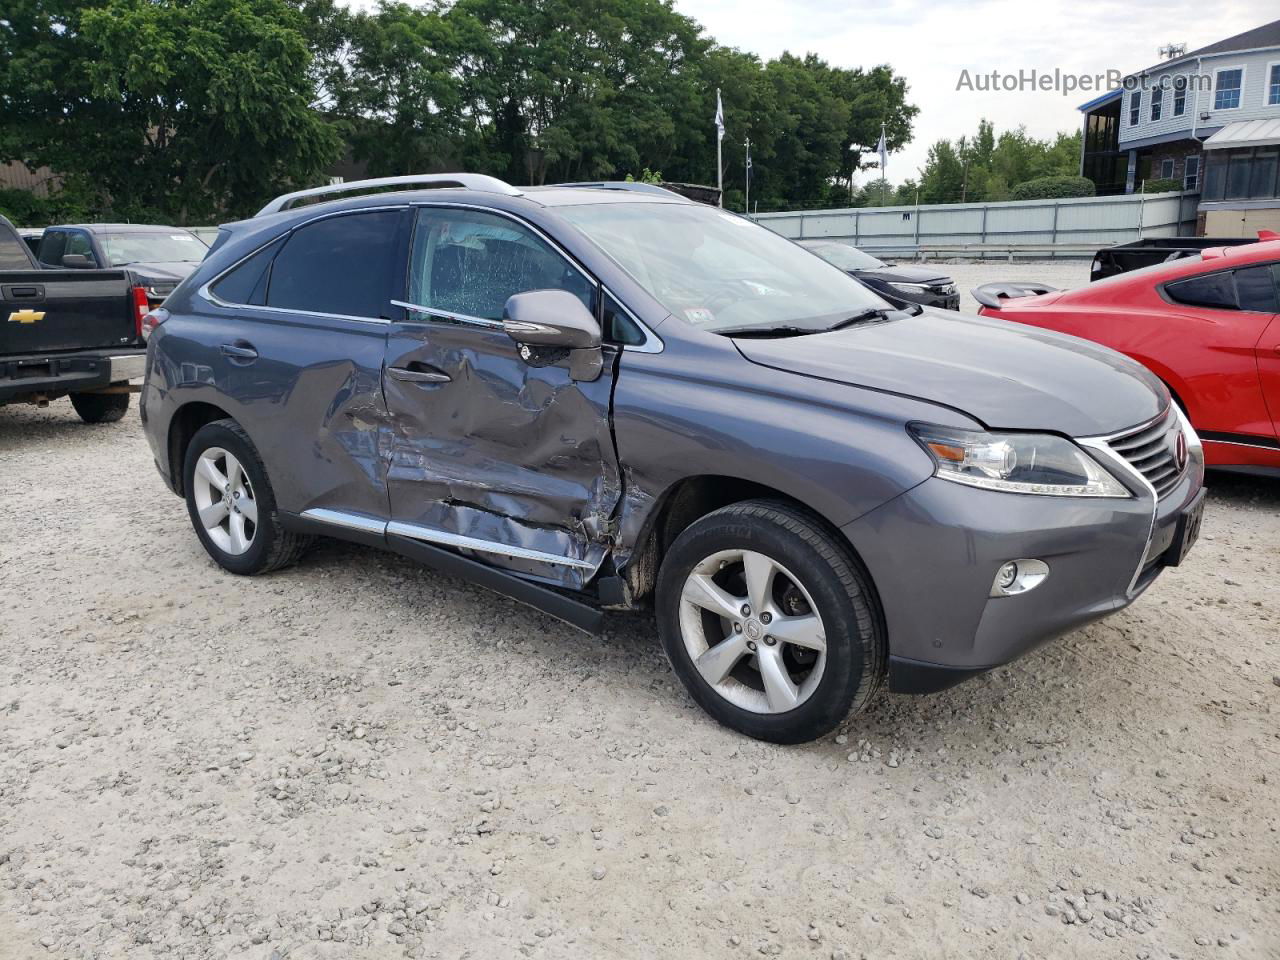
[597, 399]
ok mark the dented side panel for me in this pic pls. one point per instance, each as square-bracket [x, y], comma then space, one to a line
[503, 451]
[312, 400]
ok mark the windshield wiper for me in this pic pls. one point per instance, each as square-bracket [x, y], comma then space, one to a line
[779, 331]
[874, 313]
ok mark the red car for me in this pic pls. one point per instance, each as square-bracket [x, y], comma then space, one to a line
[1209, 326]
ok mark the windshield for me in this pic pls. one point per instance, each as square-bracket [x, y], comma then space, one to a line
[718, 271]
[125, 248]
[844, 256]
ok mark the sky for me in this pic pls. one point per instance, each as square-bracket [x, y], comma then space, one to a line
[931, 43]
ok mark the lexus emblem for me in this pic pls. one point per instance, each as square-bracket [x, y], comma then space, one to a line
[1180, 451]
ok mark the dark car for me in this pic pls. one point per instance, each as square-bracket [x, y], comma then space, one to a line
[898, 283]
[67, 333]
[599, 399]
[158, 256]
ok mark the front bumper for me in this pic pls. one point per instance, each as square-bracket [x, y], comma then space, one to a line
[934, 551]
[55, 375]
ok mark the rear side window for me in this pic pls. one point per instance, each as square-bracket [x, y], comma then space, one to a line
[1256, 288]
[247, 283]
[341, 265]
[1213, 290]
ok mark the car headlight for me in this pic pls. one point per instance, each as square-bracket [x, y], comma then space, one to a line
[908, 287]
[1016, 462]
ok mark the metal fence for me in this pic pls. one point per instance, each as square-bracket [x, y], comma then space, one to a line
[1035, 228]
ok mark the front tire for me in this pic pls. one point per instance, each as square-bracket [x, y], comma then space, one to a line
[232, 505]
[100, 407]
[770, 621]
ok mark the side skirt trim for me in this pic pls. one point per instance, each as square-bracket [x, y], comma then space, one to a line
[376, 533]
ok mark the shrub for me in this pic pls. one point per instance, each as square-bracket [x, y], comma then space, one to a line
[1162, 185]
[1053, 188]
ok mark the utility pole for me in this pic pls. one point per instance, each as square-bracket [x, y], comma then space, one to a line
[747, 197]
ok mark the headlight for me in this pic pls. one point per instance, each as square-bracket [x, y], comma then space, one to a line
[908, 287]
[1016, 462]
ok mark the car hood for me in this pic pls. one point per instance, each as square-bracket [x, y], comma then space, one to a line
[162, 272]
[905, 274]
[1005, 375]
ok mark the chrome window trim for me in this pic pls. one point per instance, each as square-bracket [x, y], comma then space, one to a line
[652, 342]
[446, 315]
[354, 521]
[206, 293]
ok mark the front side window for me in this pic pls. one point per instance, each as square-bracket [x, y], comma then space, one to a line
[1135, 108]
[717, 271]
[1157, 102]
[1179, 96]
[341, 266]
[78, 245]
[1226, 95]
[467, 263]
[1273, 85]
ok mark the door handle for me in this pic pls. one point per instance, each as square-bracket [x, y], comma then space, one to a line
[419, 374]
[239, 351]
[25, 293]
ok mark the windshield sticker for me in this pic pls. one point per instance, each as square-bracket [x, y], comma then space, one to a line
[698, 315]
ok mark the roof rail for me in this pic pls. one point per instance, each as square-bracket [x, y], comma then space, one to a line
[636, 186]
[468, 181]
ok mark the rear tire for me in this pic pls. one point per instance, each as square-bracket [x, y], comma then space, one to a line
[746, 570]
[100, 407]
[231, 503]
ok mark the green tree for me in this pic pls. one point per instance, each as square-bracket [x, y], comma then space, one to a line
[179, 109]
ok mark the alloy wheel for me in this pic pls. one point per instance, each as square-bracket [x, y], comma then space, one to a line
[752, 630]
[225, 502]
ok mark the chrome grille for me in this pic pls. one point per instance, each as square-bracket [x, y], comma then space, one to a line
[1152, 451]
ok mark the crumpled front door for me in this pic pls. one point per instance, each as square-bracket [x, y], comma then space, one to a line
[510, 461]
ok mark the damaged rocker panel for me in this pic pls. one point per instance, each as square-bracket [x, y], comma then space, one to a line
[413, 531]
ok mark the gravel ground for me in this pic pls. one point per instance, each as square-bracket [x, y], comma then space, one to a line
[358, 758]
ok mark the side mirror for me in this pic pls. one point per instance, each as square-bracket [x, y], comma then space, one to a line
[77, 261]
[555, 319]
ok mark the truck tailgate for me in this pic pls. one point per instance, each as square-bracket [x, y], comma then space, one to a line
[45, 311]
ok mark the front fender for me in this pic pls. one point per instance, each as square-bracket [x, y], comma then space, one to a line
[840, 450]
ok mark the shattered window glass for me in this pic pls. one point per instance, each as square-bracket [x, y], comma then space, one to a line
[468, 262]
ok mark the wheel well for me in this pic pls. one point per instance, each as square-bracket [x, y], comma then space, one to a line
[182, 428]
[686, 502]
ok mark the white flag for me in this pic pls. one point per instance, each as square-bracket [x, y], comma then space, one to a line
[884, 155]
[719, 117]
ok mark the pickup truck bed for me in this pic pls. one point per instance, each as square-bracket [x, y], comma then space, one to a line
[67, 333]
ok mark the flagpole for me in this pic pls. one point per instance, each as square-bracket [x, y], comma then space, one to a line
[884, 177]
[747, 198]
[719, 153]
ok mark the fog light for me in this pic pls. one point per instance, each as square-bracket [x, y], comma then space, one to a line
[1018, 576]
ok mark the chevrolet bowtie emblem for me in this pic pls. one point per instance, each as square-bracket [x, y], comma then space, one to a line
[26, 316]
